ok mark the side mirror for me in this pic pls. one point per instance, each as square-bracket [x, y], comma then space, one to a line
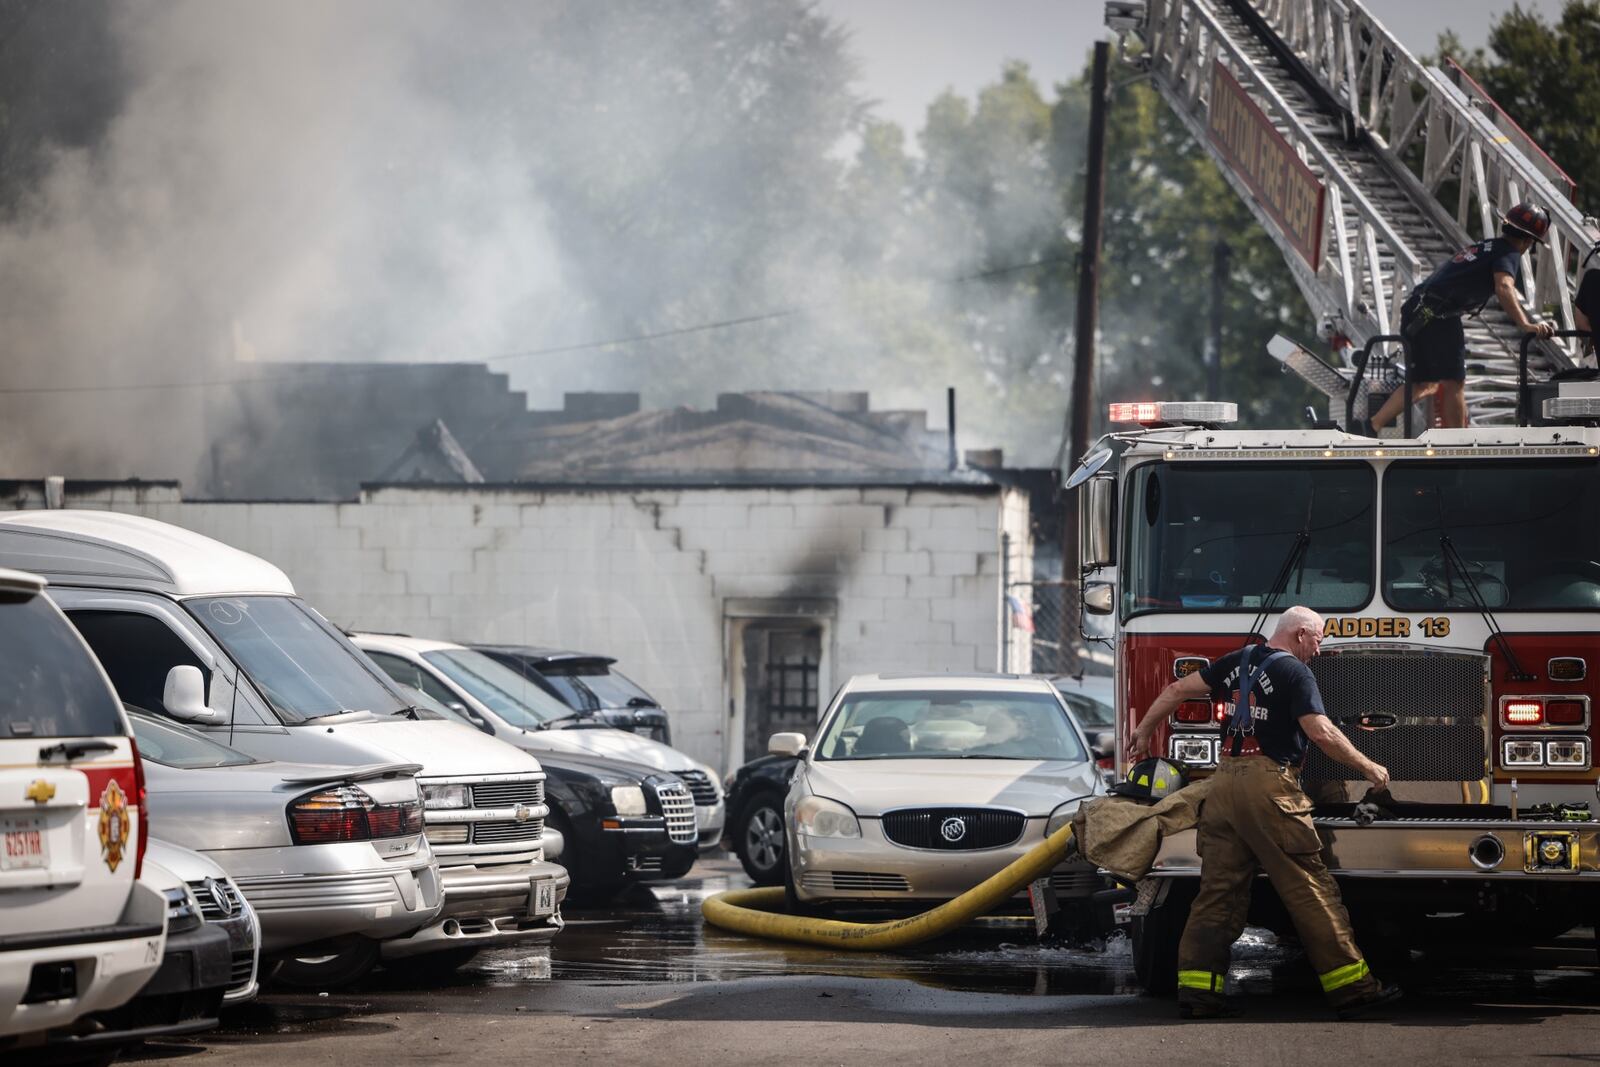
[184, 696]
[787, 745]
[470, 716]
[1096, 522]
[1099, 598]
[1103, 745]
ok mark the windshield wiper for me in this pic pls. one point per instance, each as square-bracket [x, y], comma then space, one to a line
[549, 723]
[409, 711]
[71, 750]
[1452, 558]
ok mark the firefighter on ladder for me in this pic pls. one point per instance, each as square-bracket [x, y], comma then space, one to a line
[1257, 818]
[1430, 319]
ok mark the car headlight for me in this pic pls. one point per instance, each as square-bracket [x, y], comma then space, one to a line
[446, 796]
[1061, 816]
[628, 799]
[821, 817]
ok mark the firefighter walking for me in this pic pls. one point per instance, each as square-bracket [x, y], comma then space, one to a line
[1257, 819]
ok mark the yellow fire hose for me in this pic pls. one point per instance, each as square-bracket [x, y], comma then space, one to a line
[752, 911]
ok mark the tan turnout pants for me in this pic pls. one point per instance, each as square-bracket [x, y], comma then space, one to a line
[1256, 818]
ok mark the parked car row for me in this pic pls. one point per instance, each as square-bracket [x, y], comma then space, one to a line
[324, 806]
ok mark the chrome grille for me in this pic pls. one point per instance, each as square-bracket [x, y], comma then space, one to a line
[953, 829]
[645, 864]
[507, 794]
[210, 909]
[854, 882]
[1436, 701]
[1077, 882]
[700, 787]
[677, 807]
[484, 833]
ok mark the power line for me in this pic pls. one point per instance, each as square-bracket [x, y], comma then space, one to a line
[552, 350]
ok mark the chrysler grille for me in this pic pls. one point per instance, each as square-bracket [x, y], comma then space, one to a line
[699, 783]
[853, 882]
[953, 829]
[1427, 713]
[677, 807]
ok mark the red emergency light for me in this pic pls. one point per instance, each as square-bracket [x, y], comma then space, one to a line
[1194, 712]
[1564, 712]
[1135, 412]
[1523, 712]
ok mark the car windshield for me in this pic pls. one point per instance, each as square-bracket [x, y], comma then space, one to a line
[592, 686]
[949, 724]
[1522, 532]
[173, 746]
[498, 688]
[49, 684]
[1214, 536]
[305, 668]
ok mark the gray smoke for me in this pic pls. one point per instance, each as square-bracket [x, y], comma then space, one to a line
[398, 180]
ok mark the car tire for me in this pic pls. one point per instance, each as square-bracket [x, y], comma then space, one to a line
[349, 962]
[1155, 936]
[758, 839]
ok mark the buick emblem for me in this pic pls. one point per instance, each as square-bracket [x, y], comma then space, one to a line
[953, 829]
[219, 896]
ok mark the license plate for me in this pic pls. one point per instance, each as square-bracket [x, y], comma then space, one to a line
[22, 843]
[544, 898]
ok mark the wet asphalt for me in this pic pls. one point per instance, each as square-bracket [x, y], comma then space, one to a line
[645, 981]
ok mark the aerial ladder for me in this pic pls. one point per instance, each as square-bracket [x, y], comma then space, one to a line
[1367, 168]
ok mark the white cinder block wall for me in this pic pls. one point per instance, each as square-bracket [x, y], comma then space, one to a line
[911, 576]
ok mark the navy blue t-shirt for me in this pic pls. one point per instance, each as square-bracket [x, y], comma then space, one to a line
[1284, 691]
[1466, 282]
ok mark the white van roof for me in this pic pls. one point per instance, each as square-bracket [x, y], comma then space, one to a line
[108, 549]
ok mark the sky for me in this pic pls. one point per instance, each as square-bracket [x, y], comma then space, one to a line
[912, 50]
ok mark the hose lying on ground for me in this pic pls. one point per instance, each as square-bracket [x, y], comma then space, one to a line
[750, 911]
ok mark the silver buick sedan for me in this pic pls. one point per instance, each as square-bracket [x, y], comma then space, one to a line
[917, 788]
[332, 859]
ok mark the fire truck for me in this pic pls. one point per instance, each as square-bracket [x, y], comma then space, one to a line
[1458, 576]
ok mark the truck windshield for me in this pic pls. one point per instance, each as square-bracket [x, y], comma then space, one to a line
[1525, 532]
[305, 668]
[1214, 536]
[501, 689]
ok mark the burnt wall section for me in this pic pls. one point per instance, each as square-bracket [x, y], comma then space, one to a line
[643, 574]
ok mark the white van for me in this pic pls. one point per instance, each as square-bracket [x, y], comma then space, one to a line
[190, 628]
[78, 931]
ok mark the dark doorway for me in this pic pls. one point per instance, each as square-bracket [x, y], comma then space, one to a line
[782, 663]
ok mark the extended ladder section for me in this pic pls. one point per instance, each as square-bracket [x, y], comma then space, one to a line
[1368, 169]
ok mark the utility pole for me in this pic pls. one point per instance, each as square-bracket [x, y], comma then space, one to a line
[1221, 258]
[1088, 324]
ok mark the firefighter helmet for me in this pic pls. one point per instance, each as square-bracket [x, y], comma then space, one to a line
[1151, 779]
[1528, 220]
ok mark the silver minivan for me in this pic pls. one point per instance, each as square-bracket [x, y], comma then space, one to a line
[193, 629]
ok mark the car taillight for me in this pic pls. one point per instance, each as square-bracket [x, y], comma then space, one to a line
[144, 810]
[346, 813]
[1194, 712]
[1564, 712]
[1523, 712]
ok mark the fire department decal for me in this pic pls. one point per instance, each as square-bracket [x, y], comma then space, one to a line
[113, 824]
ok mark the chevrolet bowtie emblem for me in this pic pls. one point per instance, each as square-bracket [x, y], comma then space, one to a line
[41, 791]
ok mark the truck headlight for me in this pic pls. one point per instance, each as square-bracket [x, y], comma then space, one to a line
[821, 817]
[1567, 752]
[628, 799]
[446, 796]
[1521, 752]
[1195, 751]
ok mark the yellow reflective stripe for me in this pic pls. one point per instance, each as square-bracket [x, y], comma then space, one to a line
[1211, 983]
[1343, 976]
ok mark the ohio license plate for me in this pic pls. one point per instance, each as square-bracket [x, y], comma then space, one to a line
[22, 843]
[544, 898]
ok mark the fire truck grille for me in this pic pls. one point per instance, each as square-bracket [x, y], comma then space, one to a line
[1423, 715]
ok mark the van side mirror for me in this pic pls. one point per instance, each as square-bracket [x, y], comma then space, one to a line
[1096, 522]
[1099, 598]
[787, 745]
[472, 717]
[184, 696]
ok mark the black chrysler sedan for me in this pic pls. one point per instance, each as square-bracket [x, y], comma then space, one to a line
[589, 685]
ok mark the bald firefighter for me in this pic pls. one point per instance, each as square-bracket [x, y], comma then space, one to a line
[1256, 818]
